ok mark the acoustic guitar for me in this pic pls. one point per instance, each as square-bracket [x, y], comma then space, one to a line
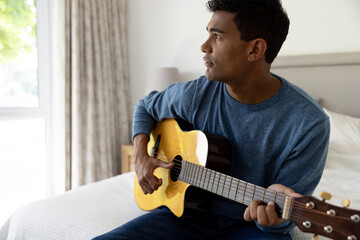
[196, 154]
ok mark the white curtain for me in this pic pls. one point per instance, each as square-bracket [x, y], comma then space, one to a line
[97, 89]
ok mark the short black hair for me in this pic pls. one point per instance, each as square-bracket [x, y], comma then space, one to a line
[264, 19]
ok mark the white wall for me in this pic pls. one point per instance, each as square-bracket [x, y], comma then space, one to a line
[165, 33]
[322, 26]
[169, 33]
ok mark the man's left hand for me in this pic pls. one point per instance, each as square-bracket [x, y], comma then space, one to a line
[266, 215]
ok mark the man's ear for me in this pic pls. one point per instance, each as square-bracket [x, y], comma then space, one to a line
[257, 49]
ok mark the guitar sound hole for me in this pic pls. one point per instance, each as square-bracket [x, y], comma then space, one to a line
[175, 171]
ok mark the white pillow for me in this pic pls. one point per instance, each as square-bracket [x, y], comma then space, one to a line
[344, 134]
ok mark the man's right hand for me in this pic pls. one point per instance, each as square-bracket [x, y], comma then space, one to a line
[145, 165]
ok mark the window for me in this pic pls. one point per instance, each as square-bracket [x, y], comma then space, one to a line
[26, 166]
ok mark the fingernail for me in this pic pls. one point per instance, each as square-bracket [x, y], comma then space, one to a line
[271, 203]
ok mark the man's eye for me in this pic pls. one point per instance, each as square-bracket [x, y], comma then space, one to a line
[217, 36]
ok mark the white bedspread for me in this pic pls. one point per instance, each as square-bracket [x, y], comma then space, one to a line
[79, 214]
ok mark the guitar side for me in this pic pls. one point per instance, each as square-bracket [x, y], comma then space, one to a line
[192, 146]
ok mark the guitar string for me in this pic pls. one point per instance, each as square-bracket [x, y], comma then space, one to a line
[295, 205]
[294, 216]
[259, 193]
[229, 179]
[178, 166]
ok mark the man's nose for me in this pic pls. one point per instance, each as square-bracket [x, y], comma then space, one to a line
[205, 47]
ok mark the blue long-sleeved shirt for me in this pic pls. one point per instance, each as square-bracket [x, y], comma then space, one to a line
[282, 140]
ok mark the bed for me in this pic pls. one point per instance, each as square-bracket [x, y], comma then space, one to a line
[332, 79]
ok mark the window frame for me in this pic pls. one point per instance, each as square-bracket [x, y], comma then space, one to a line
[45, 110]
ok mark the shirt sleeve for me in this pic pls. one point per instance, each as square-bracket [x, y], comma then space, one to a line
[173, 102]
[309, 155]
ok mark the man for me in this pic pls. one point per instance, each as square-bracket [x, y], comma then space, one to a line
[279, 135]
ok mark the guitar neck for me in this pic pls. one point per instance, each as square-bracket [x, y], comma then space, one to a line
[232, 188]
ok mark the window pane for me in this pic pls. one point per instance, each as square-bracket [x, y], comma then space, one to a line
[22, 164]
[18, 54]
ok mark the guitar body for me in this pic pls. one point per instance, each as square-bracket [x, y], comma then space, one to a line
[194, 146]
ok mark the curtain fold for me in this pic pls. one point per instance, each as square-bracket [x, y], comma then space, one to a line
[97, 89]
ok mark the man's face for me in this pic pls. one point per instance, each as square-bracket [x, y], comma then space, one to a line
[225, 52]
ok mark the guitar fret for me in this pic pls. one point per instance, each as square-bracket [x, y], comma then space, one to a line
[269, 196]
[226, 188]
[218, 191]
[259, 193]
[191, 169]
[244, 192]
[217, 185]
[199, 176]
[205, 178]
[275, 197]
[185, 171]
[220, 184]
[189, 173]
[223, 185]
[248, 194]
[212, 187]
[194, 173]
[230, 187]
[208, 178]
[211, 180]
[202, 180]
[237, 188]
[185, 164]
[252, 197]
[263, 195]
[236, 185]
[240, 190]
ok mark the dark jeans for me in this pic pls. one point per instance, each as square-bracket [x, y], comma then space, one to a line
[162, 224]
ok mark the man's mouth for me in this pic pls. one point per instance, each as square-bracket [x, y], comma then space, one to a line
[208, 62]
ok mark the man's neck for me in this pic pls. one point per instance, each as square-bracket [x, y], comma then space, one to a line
[254, 88]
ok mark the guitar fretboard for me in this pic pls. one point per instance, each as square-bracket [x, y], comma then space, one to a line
[227, 186]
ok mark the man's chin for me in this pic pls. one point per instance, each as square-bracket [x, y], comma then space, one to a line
[210, 76]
